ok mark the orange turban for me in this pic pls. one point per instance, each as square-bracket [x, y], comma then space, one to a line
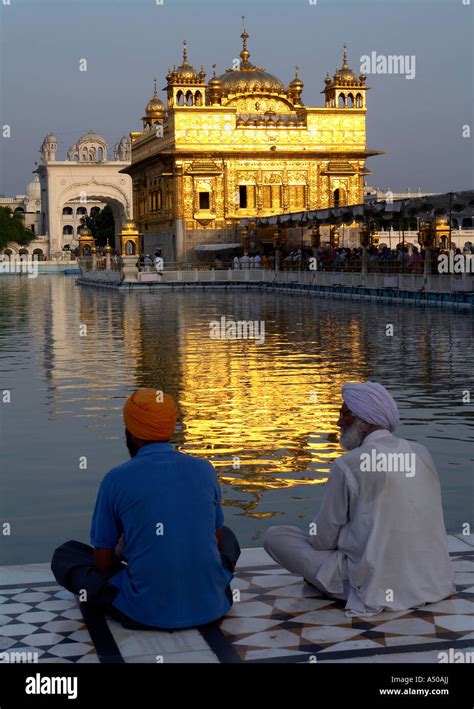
[150, 415]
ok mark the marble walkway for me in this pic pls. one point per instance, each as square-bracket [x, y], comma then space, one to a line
[276, 617]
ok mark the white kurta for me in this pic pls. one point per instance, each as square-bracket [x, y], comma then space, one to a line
[386, 528]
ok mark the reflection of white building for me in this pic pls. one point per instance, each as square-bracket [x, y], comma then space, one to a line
[86, 181]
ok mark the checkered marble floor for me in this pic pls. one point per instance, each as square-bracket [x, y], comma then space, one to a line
[278, 618]
[44, 622]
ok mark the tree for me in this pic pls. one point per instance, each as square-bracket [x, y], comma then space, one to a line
[102, 225]
[12, 229]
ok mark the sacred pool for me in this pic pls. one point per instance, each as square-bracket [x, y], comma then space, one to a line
[263, 412]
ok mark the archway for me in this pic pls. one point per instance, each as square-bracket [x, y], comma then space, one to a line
[111, 195]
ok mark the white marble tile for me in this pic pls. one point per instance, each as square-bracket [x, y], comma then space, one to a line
[270, 653]
[276, 581]
[143, 642]
[455, 544]
[65, 595]
[62, 626]
[277, 571]
[197, 656]
[299, 590]
[80, 636]
[464, 565]
[429, 656]
[39, 639]
[454, 605]
[466, 539]
[56, 660]
[31, 597]
[73, 614]
[406, 626]
[328, 634]
[455, 622]
[351, 645]
[384, 615]
[251, 608]
[14, 608]
[251, 557]
[301, 605]
[238, 626]
[56, 605]
[396, 640]
[463, 579]
[91, 658]
[240, 584]
[18, 629]
[328, 616]
[272, 638]
[10, 592]
[70, 649]
[4, 619]
[6, 643]
[37, 617]
[25, 573]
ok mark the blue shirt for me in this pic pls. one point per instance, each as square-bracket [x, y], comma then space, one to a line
[168, 506]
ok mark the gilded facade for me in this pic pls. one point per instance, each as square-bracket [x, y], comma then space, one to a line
[243, 145]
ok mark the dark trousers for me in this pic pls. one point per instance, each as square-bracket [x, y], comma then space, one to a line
[73, 567]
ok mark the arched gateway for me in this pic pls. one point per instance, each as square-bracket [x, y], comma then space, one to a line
[86, 177]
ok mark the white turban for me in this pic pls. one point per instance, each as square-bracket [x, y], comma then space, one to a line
[372, 403]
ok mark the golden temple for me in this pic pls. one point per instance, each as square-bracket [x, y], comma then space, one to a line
[243, 145]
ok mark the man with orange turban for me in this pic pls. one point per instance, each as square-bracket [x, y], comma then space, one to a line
[164, 507]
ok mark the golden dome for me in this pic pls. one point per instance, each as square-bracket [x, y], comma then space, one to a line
[296, 83]
[345, 72]
[155, 107]
[186, 71]
[84, 231]
[249, 78]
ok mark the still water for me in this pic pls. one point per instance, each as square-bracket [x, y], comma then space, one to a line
[264, 414]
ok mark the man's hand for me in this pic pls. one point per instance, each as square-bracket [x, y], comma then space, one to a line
[104, 559]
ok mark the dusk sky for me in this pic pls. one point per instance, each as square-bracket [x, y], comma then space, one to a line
[417, 122]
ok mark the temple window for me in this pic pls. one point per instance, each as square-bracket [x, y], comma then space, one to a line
[243, 196]
[342, 101]
[359, 102]
[204, 200]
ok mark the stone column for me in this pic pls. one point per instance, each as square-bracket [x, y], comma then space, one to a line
[130, 269]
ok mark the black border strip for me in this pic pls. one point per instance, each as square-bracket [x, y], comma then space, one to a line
[219, 644]
[104, 642]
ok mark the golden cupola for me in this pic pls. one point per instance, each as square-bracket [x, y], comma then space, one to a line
[249, 79]
[185, 85]
[295, 89]
[155, 112]
[345, 90]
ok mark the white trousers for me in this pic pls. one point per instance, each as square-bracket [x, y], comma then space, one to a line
[291, 548]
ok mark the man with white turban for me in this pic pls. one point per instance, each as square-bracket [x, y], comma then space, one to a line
[379, 540]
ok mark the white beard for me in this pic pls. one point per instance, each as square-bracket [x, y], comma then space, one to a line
[352, 437]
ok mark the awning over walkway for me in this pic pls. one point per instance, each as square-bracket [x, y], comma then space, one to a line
[448, 204]
[216, 247]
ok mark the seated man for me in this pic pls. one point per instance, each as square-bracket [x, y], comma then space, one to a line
[379, 541]
[166, 506]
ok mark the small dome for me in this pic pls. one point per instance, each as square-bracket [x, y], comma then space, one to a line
[51, 138]
[296, 83]
[84, 231]
[90, 136]
[186, 71]
[155, 108]
[345, 72]
[33, 190]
